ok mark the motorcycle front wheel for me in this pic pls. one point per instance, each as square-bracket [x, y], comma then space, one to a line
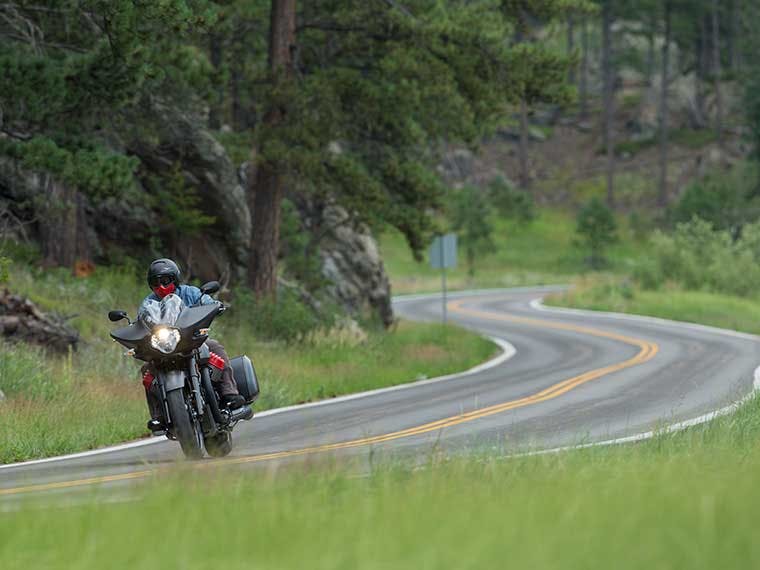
[186, 430]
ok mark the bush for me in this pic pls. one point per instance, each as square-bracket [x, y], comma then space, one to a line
[723, 199]
[470, 213]
[699, 257]
[597, 230]
[287, 318]
[509, 201]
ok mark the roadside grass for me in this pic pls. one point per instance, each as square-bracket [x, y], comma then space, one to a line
[687, 500]
[609, 293]
[543, 251]
[60, 404]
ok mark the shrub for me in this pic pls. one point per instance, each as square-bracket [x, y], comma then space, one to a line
[723, 199]
[470, 212]
[287, 318]
[697, 256]
[597, 230]
[509, 201]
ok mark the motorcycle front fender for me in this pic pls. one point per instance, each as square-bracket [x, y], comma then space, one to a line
[172, 380]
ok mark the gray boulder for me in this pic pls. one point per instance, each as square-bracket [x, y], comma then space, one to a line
[352, 265]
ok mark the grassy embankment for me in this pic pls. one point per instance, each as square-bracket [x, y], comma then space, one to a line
[681, 501]
[703, 307]
[540, 252]
[93, 397]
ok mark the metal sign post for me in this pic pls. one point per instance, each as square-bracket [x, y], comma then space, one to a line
[443, 254]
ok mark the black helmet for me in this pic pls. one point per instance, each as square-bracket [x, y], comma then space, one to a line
[163, 267]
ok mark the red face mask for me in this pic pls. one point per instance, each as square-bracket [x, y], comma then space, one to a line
[164, 290]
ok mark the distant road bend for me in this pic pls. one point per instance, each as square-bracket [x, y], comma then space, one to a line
[576, 377]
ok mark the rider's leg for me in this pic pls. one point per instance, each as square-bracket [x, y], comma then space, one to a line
[156, 422]
[226, 385]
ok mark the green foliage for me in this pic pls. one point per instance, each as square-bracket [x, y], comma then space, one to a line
[597, 230]
[469, 214]
[299, 250]
[5, 264]
[286, 318]
[699, 257]
[81, 67]
[93, 170]
[509, 201]
[377, 85]
[177, 203]
[725, 200]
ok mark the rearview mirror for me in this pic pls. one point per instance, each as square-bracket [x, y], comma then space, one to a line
[210, 288]
[114, 316]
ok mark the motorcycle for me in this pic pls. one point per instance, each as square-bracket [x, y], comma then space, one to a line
[172, 336]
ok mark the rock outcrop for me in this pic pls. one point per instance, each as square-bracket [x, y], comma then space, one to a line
[206, 167]
[352, 265]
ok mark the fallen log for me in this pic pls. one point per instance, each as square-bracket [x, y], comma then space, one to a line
[22, 320]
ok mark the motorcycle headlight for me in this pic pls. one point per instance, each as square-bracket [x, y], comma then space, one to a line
[165, 339]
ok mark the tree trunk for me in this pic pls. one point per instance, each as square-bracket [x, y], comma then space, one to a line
[236, 109]
[583, 87]
[63, 231]
[732, 39]
[215, 56]
[265, 190]
[651, 47]
[662, 196]
[571, 47]
[523, 147]
[717, 73]
[609, 95]
[700, 73]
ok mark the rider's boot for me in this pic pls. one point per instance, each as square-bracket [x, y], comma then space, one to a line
[232, 401]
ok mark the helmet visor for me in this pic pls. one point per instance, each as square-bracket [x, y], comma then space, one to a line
[161, 280]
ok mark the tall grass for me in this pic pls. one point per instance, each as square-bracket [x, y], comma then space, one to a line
[681, 501]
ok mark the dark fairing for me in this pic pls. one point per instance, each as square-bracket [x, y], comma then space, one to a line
[197, 317]
[132, 334]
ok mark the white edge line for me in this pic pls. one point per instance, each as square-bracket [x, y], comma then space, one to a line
[538, 305]
[507, 352]
[672, 428]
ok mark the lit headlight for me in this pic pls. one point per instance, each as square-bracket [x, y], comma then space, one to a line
[165, 339]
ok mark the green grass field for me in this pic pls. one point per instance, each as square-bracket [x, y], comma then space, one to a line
[93, 397]
[686, 501]
[540, 252]
[703, 307]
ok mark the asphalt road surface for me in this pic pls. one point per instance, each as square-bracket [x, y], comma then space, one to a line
[565, 379]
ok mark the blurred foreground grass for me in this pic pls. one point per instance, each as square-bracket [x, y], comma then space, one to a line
[687, 500]
[93, 397]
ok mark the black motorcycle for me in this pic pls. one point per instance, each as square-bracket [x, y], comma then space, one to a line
[171, 336]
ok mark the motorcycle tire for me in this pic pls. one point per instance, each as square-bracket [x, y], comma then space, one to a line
[185, 429]
[219, 445]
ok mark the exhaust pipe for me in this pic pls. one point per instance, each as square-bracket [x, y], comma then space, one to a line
[242, 413]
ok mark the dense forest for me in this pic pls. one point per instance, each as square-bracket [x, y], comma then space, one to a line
[244, 136]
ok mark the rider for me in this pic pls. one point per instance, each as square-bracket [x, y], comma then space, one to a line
[164, 279]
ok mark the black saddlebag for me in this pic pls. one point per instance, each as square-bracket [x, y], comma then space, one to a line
[245, 377]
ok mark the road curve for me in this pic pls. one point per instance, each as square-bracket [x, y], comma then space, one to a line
[575, 378]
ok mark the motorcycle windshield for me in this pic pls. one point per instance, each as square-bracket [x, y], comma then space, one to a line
[164, 312]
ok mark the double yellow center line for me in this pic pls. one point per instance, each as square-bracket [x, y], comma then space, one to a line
[647, 351]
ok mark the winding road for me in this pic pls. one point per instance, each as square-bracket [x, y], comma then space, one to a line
[565, 378]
